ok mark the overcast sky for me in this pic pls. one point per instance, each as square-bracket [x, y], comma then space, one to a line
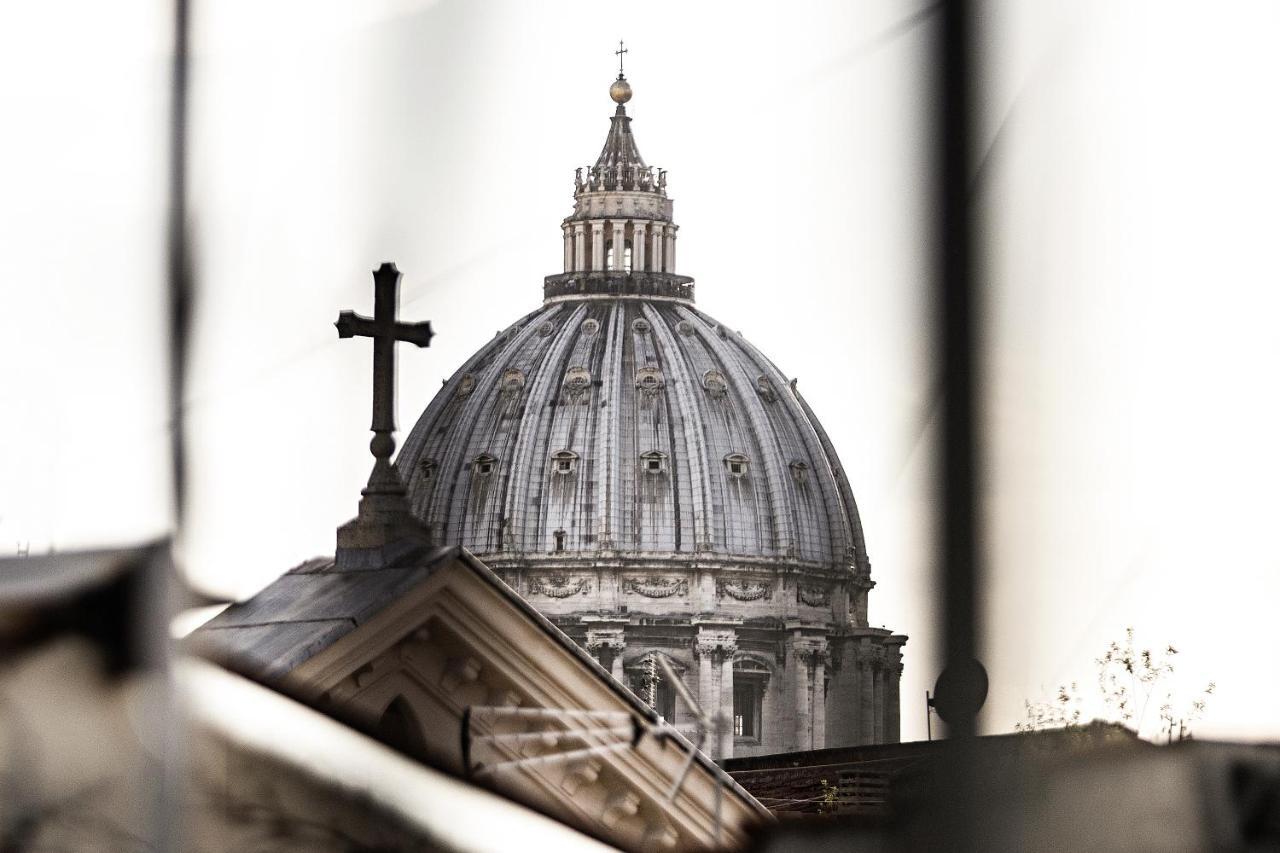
[1128, 204]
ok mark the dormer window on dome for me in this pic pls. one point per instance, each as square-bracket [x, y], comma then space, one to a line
[564, 461]
[483, 465]
[800, 471]
[736, 464]
[653, 462]
[650, 380]
[428, 468]
[713, 381]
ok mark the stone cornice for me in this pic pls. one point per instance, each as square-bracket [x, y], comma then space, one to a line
[612, 283]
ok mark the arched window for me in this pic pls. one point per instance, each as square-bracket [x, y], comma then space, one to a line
[559, 534]
[736, 464]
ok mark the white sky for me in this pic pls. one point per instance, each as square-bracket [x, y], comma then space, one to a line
[1129, 208]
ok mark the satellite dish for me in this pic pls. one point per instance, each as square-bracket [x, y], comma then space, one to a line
[960, 691]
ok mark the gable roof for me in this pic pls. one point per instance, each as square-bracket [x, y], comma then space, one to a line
[305, 615]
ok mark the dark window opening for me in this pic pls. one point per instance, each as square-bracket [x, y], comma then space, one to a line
[746, 708]
[559, 534]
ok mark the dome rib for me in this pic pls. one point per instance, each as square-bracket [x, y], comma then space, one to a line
[533, 437]
[783, 533]
[611, 494]
[838, 519]
[681, 388]
[431, 500]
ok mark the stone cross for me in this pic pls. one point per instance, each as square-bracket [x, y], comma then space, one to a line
[384, 511]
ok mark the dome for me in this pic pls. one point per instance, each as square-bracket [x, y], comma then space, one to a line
[656, 487]
[629, 426]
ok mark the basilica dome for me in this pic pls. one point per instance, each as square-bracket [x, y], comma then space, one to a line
[654, 485]
[628, 425]
[619, 419]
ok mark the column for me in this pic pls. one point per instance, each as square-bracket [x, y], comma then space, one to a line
[637, 246]
[800, 696]
[866, 698]
[597, 245]
[879, 700]
[579, 246]
[726, 698]
[568, 248]
[670, 254]
[818, 702]
[853, 678]
[713, 649]
[619, 243]
[607, 646]
[656, 260]
[707, 692]
[892, 712]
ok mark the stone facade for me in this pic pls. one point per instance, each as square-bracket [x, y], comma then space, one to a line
[652, 483]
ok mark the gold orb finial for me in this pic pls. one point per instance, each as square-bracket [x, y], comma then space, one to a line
[620, 91]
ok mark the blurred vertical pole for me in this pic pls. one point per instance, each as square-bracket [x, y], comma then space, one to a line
[955, 307]
[164, 585]
[957, 336]
[179, 262]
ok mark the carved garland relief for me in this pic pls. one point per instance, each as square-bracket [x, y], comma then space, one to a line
[558, 586]
[656, 587]
[744, 590]
[814, 596]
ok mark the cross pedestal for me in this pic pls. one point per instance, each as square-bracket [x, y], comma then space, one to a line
[384, 518]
